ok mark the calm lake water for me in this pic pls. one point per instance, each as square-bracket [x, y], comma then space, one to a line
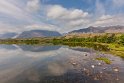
[57, 64]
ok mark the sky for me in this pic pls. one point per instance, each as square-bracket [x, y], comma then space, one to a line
[59, 15]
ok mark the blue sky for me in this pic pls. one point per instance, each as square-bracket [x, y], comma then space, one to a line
[60, 15]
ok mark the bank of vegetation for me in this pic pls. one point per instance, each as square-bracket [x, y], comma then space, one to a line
[27, 41]
[113, 43]
[109, 42]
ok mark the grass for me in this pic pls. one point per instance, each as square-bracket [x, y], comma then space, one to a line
[117, 53]
[106, 60]
[117, 50]
[116, 47]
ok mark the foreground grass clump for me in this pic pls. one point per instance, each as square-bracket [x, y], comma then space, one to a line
[116, 47]
[106, 60]
[117, 53]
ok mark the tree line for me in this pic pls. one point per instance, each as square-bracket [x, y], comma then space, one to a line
[107, 38]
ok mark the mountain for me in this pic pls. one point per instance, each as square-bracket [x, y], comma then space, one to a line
[108, 29]
[38, 33]
[7, 35]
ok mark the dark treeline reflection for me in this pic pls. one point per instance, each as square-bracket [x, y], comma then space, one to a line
[95, 46]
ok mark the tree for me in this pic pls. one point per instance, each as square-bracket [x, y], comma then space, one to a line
[122, 39]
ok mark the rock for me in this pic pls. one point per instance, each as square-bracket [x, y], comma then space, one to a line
[95, 78]
[84, 69]
[85, 54]
[92, 66]
[104, 68]
[74, 64]
[101, 72]
[116, 69]
[99, 64]
[117, 79]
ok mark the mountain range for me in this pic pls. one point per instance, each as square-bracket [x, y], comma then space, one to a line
[46, 33]
[30, 34]
[7, 35]
[108, 29]
[38, 33]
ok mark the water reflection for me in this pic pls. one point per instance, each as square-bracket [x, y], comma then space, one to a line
[55, 64]
[98, 47]
[83, 49]
[9, 47]
[38, 48]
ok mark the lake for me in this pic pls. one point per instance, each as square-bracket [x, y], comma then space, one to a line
[57, 64]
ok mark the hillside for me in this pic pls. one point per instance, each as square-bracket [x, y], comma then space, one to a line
[108, 29]
[38, 33]
[7, 35]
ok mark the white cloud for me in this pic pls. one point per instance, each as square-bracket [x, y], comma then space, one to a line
[15, 12]
[61, 13]
[9, 8]
[55, 12]
[109, 20]
[33, 5]
[42, 26]
[69, 19]
[79, 22]
[27, 27]
[21, 15]
[4, 28]
[105, 17]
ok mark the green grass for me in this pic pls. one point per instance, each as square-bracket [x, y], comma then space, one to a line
[106, 60]
[117, 53]
[116, 47]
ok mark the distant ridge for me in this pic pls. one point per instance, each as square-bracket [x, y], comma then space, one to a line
[38, 33]
[108, 29]
[7, 35]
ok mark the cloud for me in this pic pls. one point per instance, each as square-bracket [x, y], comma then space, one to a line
[105, 17]
[118, 3]
[67, 18]
[109, 20]
[78, 23]
[9, 8]
[4, 28]
[42, 26]
[61, 13]
[15, 18]
[23, 15]
[26, 27]
[33, 5]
